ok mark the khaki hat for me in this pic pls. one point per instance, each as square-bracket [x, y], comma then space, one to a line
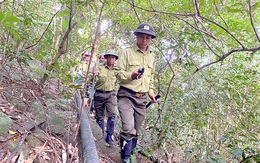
[110, 53]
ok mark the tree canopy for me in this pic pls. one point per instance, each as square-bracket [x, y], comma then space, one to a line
[208, 68]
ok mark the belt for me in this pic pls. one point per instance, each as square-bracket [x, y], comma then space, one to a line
[101, 91]
[136, 94]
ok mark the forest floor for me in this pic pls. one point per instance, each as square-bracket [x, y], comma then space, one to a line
[41, 124]
[37, 125]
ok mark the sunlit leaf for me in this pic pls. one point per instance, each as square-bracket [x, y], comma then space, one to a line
[12, 132]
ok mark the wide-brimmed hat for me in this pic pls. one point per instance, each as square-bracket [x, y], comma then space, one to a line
[145, 28]
[110, 53]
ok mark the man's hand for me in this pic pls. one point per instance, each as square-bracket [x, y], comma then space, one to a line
[135, 75]
[152, 97]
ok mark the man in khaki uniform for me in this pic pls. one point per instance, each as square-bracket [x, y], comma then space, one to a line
[101, 61]
[105, 95]
[134, 86]
[81, 69]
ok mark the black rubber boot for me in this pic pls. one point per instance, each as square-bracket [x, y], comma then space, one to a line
[110, 130]
[126, 148]
[134, 143]
[101, 125]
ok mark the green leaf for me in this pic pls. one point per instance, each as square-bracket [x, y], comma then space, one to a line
[256, 5]
[133, 159]
[63, 13]
[11, 18]
[25, 62]
[65, 24]
[235, 10]
[27, 21]
[15, 34]
[9, 25]
[2, 16]
[168, 134]
[64, 105]
[46, 72]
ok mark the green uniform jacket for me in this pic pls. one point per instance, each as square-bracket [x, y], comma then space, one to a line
[106, 79]
[132, 59]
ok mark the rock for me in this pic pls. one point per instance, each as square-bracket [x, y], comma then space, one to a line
[5, 123]
[12, 145]
[57, 121]
[37, 138]
[37, 109]
[21, 106]
[16, 76]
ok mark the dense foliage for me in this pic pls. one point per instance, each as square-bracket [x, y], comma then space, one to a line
[208, 69]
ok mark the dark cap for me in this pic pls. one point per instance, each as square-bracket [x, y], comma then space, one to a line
[145, 28]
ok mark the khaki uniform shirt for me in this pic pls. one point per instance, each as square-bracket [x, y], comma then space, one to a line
[133, 59]
[83, 66]
[106, 79]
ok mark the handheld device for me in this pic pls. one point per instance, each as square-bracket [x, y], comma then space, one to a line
[156, 98]
[141, 71]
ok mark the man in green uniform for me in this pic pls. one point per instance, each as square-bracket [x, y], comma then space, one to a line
[101, 61]
[81, 69]
[134, 86]
[105, 95]
[82, 66]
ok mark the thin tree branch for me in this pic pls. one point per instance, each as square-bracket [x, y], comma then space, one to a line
[196, 17]
[28, 47]
[197, 29]
[174, 74]
[220, 15]
[252, 21]
[162, 12]
[2, 2]
[169, 86]
[135, 12]
[189, 15]
[61, 47]
[204, 40]
[177, 16]
[61, 50]
[253, 50]
[18, 147]
[206, 32]
[196, 7]
[224, 30]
